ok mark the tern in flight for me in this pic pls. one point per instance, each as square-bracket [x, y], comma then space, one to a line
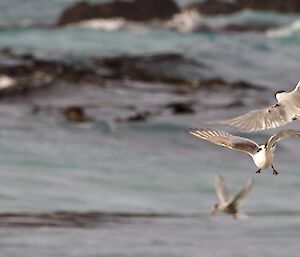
[285, 110]
[262, 155]
[227, 204]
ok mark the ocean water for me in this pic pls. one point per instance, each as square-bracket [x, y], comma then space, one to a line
[49, 165]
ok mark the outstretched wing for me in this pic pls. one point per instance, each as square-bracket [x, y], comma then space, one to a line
[270, 117]
[221, 189]
[296, 91]
[281, 135]
[242, 194]
[224, 139]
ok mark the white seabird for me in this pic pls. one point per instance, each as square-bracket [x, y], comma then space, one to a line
[227, 204]
[285, 110]
[262, 155]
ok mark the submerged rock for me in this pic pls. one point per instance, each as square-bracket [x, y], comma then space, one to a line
[137, 117]
[76, 114]
[163, 68]
[21, 74]
[182, 107]
[137, 10]
[220, 85]
[140, 116]
[162, 79]
[249, 26]
[78, 219]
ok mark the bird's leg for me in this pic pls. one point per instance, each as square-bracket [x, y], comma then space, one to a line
[274, 171]
[258, 171]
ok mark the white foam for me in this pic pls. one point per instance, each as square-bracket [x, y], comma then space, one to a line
[185, 21]
[113, 24]
[6, 81]
[103, 24]
[285, 31]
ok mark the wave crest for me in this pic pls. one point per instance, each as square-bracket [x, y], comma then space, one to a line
[285, 31]
[103, 24]
[186, 21]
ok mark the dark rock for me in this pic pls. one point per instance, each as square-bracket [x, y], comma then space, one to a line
[76, 114]
[137, 117]
[163, 68]
[69, 219]
[249, 26]
[290, 6]
[31, 73]
[140, 116]
[182, 107]
[137, 10]
[213, 7]
[220, 85]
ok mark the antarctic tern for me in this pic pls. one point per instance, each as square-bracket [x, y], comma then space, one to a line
[284, 111]
[227, 204]
[262, 155]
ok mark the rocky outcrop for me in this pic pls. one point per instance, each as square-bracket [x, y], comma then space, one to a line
[215, 7]
[164, 74]
[137, 10]
[148, 68]
[20, 74]
[212, 7]
[290, 6]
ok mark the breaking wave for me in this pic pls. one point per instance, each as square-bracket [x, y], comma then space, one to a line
[285, 31]
[186, 21]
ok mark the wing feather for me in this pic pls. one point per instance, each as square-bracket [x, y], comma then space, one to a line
[221, 189]
[243, 193]
[297, 89]
[225, 139]
[282, 135]
[270, 117]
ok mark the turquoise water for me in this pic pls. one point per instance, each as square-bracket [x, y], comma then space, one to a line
[47, 164]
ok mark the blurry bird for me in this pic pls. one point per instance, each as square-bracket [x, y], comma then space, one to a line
[285, 110]
[227, 204]
[262, 155]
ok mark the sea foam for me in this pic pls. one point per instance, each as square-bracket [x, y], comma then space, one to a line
[285, 31]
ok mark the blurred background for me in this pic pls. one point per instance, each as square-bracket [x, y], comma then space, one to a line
[95, 102]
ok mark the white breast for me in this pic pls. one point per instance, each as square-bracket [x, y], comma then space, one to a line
[262, 159]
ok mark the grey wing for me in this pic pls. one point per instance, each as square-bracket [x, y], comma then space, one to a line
[271, 117]
[221, 189]
[243, 193]
[224, 139]
[281, 135]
